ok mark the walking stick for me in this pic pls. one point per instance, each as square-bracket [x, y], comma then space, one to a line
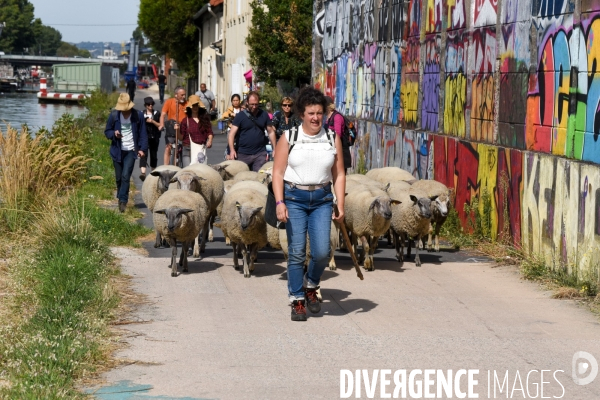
[176, 132]
[349, 245]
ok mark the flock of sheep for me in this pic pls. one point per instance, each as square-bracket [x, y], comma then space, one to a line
[386, 201]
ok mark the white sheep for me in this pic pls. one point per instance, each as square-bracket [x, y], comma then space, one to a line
[390, 174]
[358, 181]
[439, 208]
[367, 215]
[250, 176]
[230, 168]
[243, 221]
[178, 216]
[157, 182]
[410, 219]
[204, 180]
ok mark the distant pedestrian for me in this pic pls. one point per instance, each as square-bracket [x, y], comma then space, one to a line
[162, 82]
[152, 119]
[249, 127]
[131, 88]
[172, 112]
[285, 119]
[196, 131]
[234, 108]
[269, 109]
[207, 97]
[126, 130]
[337, 123]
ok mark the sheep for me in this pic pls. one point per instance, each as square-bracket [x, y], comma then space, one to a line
[250, 176]
[178, 216]
[410, 219]
[243, 221]
[230, 168]
[390, 174]
[367, 215]
[266, 172]
[395, 185]
[157, 182]
[439, 208]
[207, 182]
[357, 181]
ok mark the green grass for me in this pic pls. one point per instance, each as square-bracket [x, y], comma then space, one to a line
[61, 298]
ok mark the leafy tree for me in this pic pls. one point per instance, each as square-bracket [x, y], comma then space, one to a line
[169, 28]
[47, 39]
[18, 33]
[139, 36]
[280, 40]
[69, 50]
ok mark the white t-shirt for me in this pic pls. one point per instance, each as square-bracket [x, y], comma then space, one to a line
[127, 133]
[311, 159]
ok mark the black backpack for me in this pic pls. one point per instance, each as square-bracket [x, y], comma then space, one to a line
[349, 134]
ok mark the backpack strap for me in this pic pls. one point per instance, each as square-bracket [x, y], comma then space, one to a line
[292, 137]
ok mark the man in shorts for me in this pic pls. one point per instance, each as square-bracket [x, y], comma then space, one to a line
[169, 116]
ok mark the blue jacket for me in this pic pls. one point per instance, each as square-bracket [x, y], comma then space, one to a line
[138, 126]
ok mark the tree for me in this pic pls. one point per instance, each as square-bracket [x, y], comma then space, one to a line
[18, 33]
[139, 36]
[169, 28]
[70, 50]
[47, 39]
[280, 40]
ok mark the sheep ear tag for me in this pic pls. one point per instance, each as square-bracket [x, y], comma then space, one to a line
[395, 202]
[238, 205]
[163, 211]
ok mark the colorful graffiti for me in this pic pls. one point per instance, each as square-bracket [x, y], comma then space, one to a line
[503, 103]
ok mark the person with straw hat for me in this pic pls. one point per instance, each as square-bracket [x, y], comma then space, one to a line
[196, 131]
[126, 130]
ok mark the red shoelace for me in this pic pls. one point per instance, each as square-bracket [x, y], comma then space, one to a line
[311, 295]
[299, 308]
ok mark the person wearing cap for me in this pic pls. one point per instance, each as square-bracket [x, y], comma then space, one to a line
[152, 121]
[126, 130]
[196, 131]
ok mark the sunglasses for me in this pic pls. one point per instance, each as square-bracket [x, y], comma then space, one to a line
[286, 105]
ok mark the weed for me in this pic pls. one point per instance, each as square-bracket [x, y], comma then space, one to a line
[360, 164]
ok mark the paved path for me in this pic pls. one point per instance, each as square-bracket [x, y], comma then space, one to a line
[215, 334]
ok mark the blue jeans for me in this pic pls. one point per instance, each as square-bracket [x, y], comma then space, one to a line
[308, 212]
[161, 92]
[123, 171]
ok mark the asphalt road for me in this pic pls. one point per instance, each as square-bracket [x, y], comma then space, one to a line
[211, 333]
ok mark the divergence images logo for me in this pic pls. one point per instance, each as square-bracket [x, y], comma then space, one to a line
[584, 363]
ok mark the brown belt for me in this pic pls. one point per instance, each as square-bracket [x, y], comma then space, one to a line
[310, 188]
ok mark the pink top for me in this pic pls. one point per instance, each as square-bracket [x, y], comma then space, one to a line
[338, 124]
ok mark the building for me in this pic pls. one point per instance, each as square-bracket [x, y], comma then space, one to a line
[223, 60]
[211, 71]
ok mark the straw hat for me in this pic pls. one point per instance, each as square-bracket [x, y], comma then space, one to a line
[193, 99]
[124, 103]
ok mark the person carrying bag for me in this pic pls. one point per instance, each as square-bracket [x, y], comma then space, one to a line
[196, 131]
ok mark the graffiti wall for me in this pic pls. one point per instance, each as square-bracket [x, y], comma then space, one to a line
[494, 96]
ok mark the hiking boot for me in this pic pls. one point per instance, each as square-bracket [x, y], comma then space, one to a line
[142, 177]
[312, 301]
[298, 310]
[122, 206]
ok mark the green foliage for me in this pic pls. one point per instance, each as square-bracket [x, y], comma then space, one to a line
[171, 30]
[69, 50]
[280, 40]
[47, 39]
[360, 164]
[271, 94]
[99, 105]
[139, 36]
[18, 33]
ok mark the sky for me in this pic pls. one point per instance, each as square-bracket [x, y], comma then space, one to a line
[87, 13]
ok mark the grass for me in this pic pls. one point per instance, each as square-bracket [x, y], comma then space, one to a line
[57, 285]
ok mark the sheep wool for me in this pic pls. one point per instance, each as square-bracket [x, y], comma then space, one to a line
[390, 174]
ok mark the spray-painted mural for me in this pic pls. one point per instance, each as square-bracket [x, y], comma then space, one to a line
[501, 96]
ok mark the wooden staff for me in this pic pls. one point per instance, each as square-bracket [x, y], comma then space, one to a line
[349, 245]
[176, 130]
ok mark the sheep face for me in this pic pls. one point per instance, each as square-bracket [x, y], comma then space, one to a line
[173, 216]
[164, 178]
[188, 181]
[246, 215]
[382, 206]
[440, 206]
[423, 205]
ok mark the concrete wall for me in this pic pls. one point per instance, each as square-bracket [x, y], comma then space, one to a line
[238, 15]
[475, 93]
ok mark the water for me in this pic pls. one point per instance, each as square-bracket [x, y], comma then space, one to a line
[17, 109]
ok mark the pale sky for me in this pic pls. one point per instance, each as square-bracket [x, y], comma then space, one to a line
[87, 13]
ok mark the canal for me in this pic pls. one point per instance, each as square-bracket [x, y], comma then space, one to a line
[17, 109]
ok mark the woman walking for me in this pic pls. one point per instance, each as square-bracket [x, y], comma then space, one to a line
[233, 109]
[285, 119]
[152, 118]
[196, 131]
[302, 177]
